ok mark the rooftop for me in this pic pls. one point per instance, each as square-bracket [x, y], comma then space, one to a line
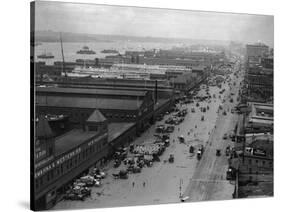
[115, 129]
[72, 139]
[84, 102]
[43, 128]
[96, 116]
[91, 91]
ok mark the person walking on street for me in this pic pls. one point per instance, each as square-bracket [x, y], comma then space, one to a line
[143, 184]
[133, 184]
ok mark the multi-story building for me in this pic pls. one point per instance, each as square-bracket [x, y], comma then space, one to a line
[256, 50]
[59, 160]
[79, 103]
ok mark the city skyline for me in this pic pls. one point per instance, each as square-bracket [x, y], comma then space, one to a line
[153, 22]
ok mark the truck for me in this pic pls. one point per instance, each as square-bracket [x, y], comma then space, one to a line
[200, 152]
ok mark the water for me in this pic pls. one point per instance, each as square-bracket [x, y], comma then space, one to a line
[70, 49]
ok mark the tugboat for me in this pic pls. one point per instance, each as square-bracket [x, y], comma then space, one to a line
[109, 51]
[45, 56]
[86, 50]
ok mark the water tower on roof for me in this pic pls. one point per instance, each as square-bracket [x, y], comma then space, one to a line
[97, 122]
[44, 139]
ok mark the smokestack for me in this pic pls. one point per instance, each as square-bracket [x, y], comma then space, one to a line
[156, 92]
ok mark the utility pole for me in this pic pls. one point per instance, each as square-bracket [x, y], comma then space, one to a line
[180, 187]
[63, 68]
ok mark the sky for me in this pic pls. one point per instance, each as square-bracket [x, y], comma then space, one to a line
[133, 21]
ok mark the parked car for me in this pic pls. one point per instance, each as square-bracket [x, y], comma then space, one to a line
[171, 158]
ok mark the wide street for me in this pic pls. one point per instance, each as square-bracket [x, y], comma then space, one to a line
[203, 179]
[209, 181]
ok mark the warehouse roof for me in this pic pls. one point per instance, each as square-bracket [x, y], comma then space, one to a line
[72, 139]
[76, 137]
[96, 116]
[84, 102]
[117, 128]
[43, 128]
[91, 91]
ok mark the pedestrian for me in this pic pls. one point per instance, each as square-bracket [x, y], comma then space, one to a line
[133, 184]
[143, 184]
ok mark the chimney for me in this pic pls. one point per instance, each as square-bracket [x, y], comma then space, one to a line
[155, 92]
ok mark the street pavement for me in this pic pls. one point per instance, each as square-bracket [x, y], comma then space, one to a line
[164, 181]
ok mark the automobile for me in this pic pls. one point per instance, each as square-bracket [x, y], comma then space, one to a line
[159, 118]
[218, 152]
[224, 113]
[72, 196]
[181, 139]
[122, 174]
[227, 151]
[170, 129]
[171, 158]
[230, 174]
[183, 199]
[200, 152]
[224, 136]
[167, 142]
[191, 149]
[202, 118]
[88, 180]
[98, 172]
[117, 163]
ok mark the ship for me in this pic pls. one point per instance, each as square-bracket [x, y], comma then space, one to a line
[109, 51]
[85, 50]
[45, 56]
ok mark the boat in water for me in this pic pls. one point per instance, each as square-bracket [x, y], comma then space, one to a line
[85, 50]
[110, 51]
[45, 56]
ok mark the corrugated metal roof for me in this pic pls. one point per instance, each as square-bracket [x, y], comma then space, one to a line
[96, 116]
[72, 139]
[43, 129]
[117, 128]
[84, 102]
[91, 91]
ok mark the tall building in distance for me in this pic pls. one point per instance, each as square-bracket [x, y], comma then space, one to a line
[256, 50]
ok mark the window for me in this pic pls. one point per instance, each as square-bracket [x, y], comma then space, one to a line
[270, 163]
[250, 171]
[263, 162]
[257, 161]
[52, 174]
[250, 161]
[93, 128]
[50, 150]
[36, 183]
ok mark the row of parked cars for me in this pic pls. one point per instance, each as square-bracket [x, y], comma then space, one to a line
[80, 188]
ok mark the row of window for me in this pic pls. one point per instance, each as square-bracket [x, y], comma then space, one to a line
[69, 164]
[257, 162]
